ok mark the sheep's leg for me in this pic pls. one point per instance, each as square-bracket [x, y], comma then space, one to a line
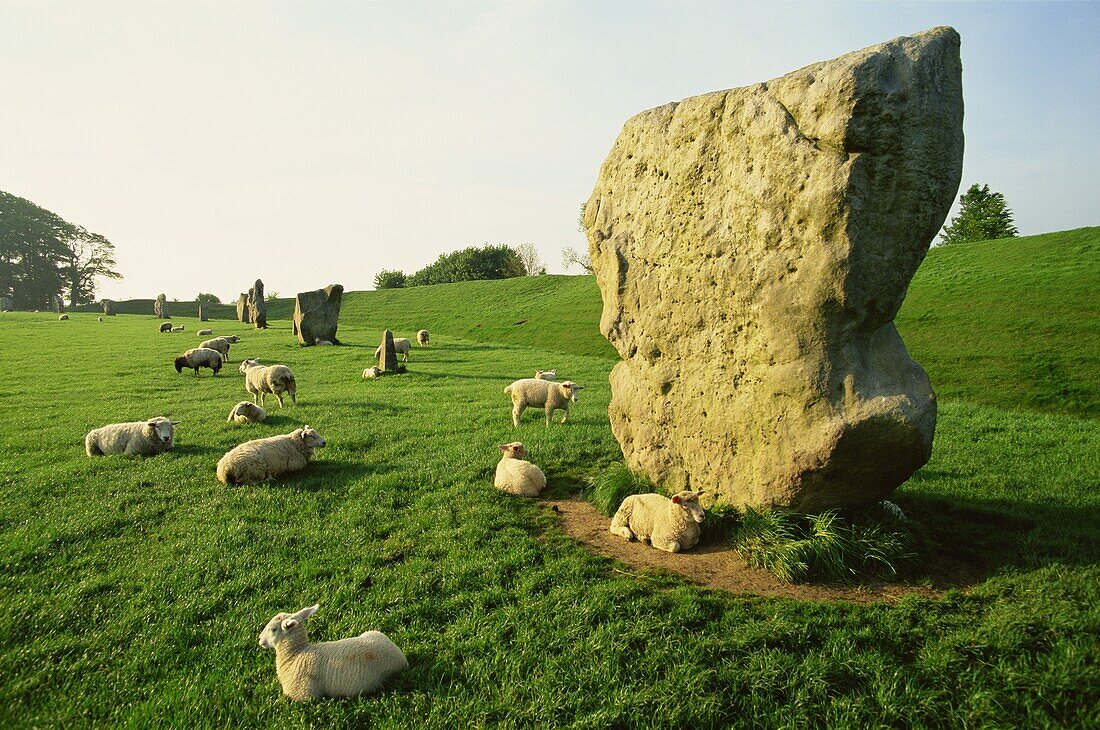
[293, 398]
[622, 531]
[549, 413]
[669, 546]
[279, 397]
[566, 416]
[517, 411]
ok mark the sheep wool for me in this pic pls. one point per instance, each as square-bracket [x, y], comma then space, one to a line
[262, 380]
[546, 374]
[541, 393]
[401, 346]
[343, 668]
[372, 372]
[261, 459]
[667, 524]
[517, 476]
[218, 343]
[199, 357]
[246, 412]
[136, 437]
[205, 333]
[423, 338]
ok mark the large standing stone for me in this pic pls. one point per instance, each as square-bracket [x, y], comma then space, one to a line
[108, 307]
[7, 304]
[202, 313]
[316, 314]
[387, 355]
[160, 307]
[57, 304]
[257, 307]
[242, 309]
[752, 247]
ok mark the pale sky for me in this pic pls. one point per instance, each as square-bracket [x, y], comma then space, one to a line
[317, 143]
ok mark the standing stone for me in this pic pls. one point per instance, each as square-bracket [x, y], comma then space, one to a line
[257, 307]
[752, 248]
[57, 304]
[108, 307]
[202, 312]
[7, 304]
[316, 314]
[160, 307]
[242, 309]
[387, 355]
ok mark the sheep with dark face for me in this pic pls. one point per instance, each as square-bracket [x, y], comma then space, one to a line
[136, 437]
[199, 357]
[166, 327]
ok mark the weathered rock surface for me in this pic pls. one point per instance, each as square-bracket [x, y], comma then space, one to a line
[7, 304]
[242, 309]
[752, 248]
[57, 304]
[317, 314]
[108, 307]
[257, 305]
[160, 307]
[387, 358]
[202, 313]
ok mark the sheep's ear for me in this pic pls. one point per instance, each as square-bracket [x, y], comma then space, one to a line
[503, 447]
[289, 623]
[676, 499]
[302, 435]
[174, 423]
[307, 612]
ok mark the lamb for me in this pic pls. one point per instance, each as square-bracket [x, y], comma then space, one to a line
[220, 344]
[422, 338]
[100, 318]
[199, 357]
[260, 380]
[401, 346]
[343, 668]
[166, 327]
[546, 374]
[547, 394]
[137, 437]
[231, 339]
[205, 333]
[179, 329]
[62, 317]
[372, 372]
[246, 412]
[261, 459]
[671, 525]
[517, 476]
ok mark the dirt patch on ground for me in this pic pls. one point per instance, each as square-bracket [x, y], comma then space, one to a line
[720, 567]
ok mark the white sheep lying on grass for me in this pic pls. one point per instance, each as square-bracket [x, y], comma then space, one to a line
[246, 412]
[179, 328]
[220, 344]
[261, 380]
[261, 459]
[671, 525]
[343, 668]
[546, 374]
[205, 333]
[372, 372]
[423, 338]
[401, 346]
[543, 394]
[199, 357]
[517, 476]
[136, 437]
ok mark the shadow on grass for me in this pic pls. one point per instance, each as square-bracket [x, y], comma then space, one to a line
[196, 450]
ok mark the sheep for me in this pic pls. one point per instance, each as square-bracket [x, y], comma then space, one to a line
[422, 338]
[517, 476]
[205, 333]
[100, 318]
[137, 437]
[401, 346]
[232, 339]
[671, 525]
[546, 374]
[262, 459]
[62, 317]
[321, 343]
[343, 668]
[179, 329]
[550, 395]
[246, 412]
[199, 357]
[372, 372]
[260, 380]
[166, 327]
[220, 344]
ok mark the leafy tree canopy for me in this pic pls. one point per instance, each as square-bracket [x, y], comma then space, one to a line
[984, 215]
[386, 279]
[471, 264]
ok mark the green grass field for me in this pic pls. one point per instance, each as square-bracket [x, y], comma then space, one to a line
[135, 588]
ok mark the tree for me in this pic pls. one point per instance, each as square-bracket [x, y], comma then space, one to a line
[570, 256]
[386, 279]
[207, 298]
[983, 216]
[471, 264]
[91, 256]
[529, 256]
[271, 295]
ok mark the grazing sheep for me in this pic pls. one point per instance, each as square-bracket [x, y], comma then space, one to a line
[220, 344]
[422, 338]
[372, 372]
[261, 459]
[517, 476]
[179, 329]
[100, 318]
[343, 668]
[232, 339]
[62, 317]
[199, 357]
[260, 380]
[166, 327]
[546, 374]
[401, 346]
[321, 343]
[205, 333]
[671, 525]
[246, 412]
[137, 437]
[545, 393]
